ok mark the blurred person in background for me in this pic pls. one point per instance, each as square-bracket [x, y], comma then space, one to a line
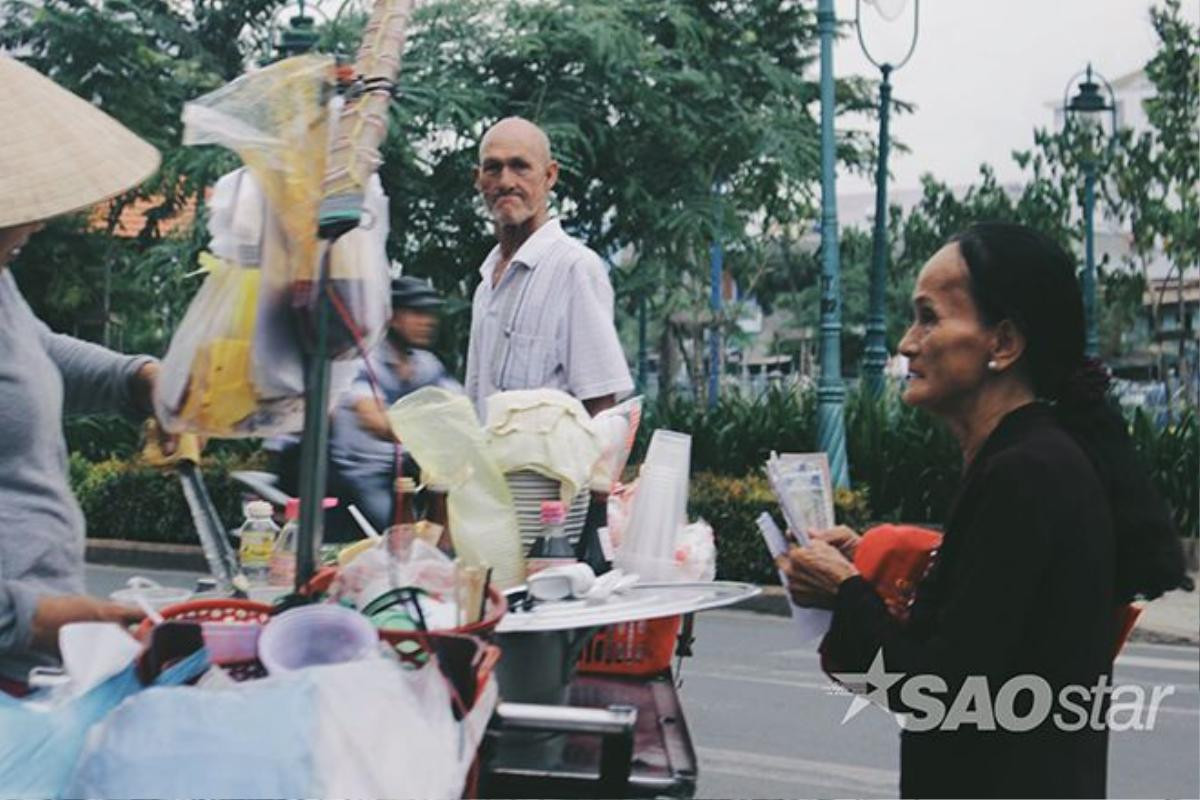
[363, 450]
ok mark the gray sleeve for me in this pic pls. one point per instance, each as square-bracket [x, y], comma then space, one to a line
[18, 601]
[95, 379]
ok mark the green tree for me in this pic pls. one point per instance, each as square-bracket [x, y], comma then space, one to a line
[1156, 171]
[675, 121]
[139, 60]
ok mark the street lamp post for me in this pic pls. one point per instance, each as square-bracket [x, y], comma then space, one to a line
[1089, 106]
[831, 389]
[875, 354]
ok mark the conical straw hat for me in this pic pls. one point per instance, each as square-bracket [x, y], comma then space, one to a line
[59, 153]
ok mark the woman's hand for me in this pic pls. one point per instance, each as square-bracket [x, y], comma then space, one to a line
[814, 573]
[841, 537]
[54, 611]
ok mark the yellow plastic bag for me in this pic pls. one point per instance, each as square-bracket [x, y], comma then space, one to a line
[443, 433]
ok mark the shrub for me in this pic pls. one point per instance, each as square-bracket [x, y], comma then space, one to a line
[910, 462]
[736, 437]
[129, 500]
[1173, 456]
[99, 437]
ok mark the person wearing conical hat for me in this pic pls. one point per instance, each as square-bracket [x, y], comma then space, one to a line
[58, 154]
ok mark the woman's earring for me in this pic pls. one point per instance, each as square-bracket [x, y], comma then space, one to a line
[993, 366]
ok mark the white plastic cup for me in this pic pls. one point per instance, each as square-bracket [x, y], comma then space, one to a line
[314, 635]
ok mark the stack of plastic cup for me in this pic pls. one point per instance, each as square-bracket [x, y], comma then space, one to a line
[659, 508]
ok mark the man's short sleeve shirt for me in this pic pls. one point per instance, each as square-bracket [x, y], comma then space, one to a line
[547, 324]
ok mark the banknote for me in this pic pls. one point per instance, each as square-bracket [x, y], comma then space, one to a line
[802, 484]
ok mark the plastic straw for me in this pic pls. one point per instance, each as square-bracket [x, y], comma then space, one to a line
[363, 524]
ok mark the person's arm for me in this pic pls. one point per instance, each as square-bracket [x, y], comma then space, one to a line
[31, 621]
[596, 370]
[372, 418]
[96, 379]
[1002, 560]
[595, 405]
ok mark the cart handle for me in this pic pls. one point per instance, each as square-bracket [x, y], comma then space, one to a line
[615, 725]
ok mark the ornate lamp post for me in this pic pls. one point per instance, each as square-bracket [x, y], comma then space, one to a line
[875, 355]
[831, 389]
[1088, 108]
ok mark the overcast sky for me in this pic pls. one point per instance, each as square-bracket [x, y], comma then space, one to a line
[983, 71]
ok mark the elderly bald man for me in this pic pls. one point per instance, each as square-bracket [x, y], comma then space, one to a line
[543, 313]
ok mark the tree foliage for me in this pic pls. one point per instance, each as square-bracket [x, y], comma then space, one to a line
[139, 60]
[676, 122]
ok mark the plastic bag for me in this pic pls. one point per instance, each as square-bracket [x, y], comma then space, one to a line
[373, 571]
[546, 431]
[236, 363]
[617, 429]
[41, 737]
[363, 729]
[235, 366]
[696, 552]
[441, 430]
[278, 120]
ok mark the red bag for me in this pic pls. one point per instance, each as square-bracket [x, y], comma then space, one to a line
[894, 559]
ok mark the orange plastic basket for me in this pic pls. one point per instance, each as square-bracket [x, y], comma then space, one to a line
[631, 648]
[228, 610]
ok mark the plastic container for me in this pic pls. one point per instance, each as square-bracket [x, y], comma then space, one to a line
[257, 536]
[282, 569]
[313, 635]
[644, 647]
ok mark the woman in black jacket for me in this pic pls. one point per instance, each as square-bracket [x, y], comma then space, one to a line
[1054, 526]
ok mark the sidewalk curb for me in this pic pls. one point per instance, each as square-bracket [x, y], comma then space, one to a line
[146, 555]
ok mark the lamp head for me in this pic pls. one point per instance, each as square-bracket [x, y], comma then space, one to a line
[1088, 98]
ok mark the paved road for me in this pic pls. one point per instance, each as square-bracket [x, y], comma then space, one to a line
[765, 723]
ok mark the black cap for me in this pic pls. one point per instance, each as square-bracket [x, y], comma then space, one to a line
[414, 293]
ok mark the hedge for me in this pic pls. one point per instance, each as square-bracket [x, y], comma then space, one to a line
[129, 500]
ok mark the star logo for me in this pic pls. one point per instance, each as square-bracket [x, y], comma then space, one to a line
[869, 687]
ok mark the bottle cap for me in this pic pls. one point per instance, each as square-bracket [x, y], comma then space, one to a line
[553, 512]
[259, 509]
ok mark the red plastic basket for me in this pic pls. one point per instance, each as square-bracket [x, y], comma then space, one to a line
[631, 648]
[230, 610]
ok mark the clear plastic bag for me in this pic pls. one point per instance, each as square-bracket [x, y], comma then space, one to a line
[235, 366]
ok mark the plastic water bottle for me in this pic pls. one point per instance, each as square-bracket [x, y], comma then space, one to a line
[258, 534]
[551, 548]
[282, 569]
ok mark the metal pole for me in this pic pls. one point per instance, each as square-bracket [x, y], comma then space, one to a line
[831, 390]
[641, 353]
[716, 264]
[315, 443]
[1092, 342]
[875, 355]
